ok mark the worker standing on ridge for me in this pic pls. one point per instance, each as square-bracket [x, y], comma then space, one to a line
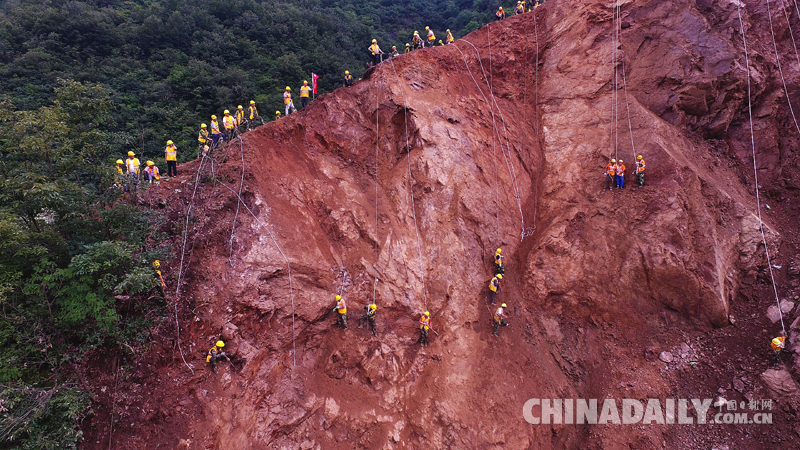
[215, 353]
[348, 79]
[132, 164]
[341, 307]
[376, 52]
[239, 118]
[499, 267]
[287, 100]
[394, 51]
[304, 90]
[202, 139]
[424, 326]
[640, 170]
[500, 318]
[500, 14]
[494, 285]
[229, 123]
[408, 47]
[611, 171]
[620, 171]
[417, 41]
[171, 156]
[431, 37]
[216, 134]
[253, 114]
[450, 38]
[277, 115]
[151, 172]
[369, 314]
[778, 345]
[519, 9]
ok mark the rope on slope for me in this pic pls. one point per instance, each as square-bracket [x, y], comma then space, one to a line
[241, 185]
[618, 27]
[755, 167]
[791, 34]
[780, 69]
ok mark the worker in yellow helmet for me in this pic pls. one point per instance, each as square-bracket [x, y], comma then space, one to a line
[239, 118]
[394, 51]
[450, 38]
[230, 125]
[348, 79]
[202, 137]
[519, 9]
[494, 286]
[120, 165]
[611, 171]
[408, 47]
[151, 172]
[216, 134]
[640, 171]
[778, 346]
[341, 307]
[500, 318]
[424, 326]
[277, 115]
[252, 114]
[171, 156]
[287, 100]
[215, 353]
[305, 89]
[431, 37]
[370, 311]
[499, 267]
[132, 166]
[376, 52]
[417, 41]
[500, 14]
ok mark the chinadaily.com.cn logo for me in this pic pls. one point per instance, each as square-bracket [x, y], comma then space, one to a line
[652, 411]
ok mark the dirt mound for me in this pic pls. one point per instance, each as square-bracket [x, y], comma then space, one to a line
[401, 188]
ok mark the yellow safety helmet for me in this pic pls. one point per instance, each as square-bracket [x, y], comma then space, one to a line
[374, 41]
[347, 72]
[202, 125]
[288, 88]
[119, 161]
[499, 250]
[227, 112]
[213, 117]
[338, 297]
[156, 264]
[620, 160]
[305, 82]
[169, 142]
[150, 163]
[394, 47]
[408, 45]
[252, 102]
[373, 306]
[220, 344]
[503, 305]
[131, 154]
[427, 313]
[239, 107]
[499, 277]
[416, 32]
[427, 28]
[501, 8]
[278, 113]
[613, 160]
[639, 157]
[448, 30]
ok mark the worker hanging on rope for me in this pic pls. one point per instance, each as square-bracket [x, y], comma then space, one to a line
[171, 156]
[778, 346]
[161, 285]
[424, 326]
[611, 172]
[202, 140]
[304, 91]
[216, 134]
[500, 14]
[494, 286]
[216, 353]
[417, 41]
[348, 79]
[287, 100]
[239, 118]
[369, 315]
[408, 47]
[151, 172]
[132, 166]
[341, 308]
[252, 113]
[394, 51]
[376, 52]
[500, 318]
[450, 38]
[519, 9]
[640, 170]
[620, 171]
[499, 267]
[431, 37]
[230, 125]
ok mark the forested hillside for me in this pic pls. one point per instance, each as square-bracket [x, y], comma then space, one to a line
[170, 64]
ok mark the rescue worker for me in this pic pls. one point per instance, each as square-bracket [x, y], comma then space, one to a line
[151, 172]
[499, 267]
[640, 170]
[252, 112]
[348, 79]
[304, 91]
[620, 171]
[157, 268]
[408, 47]
[778, 345]
[132, 166]
[120, 163]
[202, 139]
[500, 14]
[376, 52]
[171, 156]
[494, 285]
[215, 353]
[287, 100]
[441, 43]
[369, 314]
[431, 37]
[450, 38]
[216, 134]
[611, 171]
[417, 41]
[229, 123]
[519, 9]
[394, 51]
[341, 307]
[119, 177]
[424, 326]
[500, 318]
[239, 118]
[277, 115]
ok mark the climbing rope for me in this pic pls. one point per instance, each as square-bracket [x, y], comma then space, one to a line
[241, 185]
[377, 172]
[780, 69]
[621, 62]
[755, 168]
[791, 34]
[411, 183]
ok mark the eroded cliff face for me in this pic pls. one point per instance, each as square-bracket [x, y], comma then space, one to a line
[501, 135]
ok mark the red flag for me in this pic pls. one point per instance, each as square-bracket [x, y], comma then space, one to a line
[314, 82]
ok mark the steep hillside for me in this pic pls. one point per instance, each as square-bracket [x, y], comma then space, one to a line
[401, 188]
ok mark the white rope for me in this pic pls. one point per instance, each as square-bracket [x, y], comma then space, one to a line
[377, 173]
[411, 184]
[755, 168]
[780, 69]
[791, 34]
[241, 185]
